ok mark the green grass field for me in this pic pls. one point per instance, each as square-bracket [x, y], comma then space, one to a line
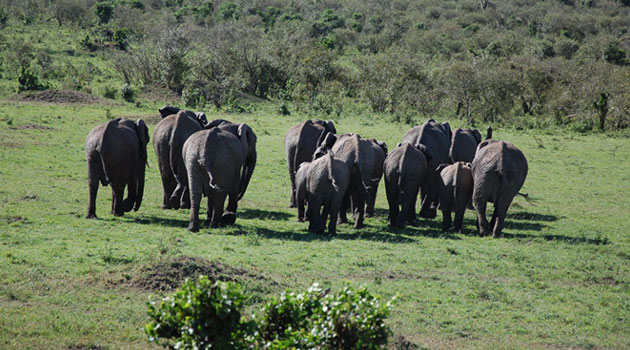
[559, 279]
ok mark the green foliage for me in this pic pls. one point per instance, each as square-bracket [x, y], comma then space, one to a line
[543, 49]
[104, 11]
[614, 54]
[29, 81]
[109, 92]
[201, 315]
[229, 11]
[136, 4]
[121, 38]
[127, 93]
[4, 16]
[328, 20]
[87, 43]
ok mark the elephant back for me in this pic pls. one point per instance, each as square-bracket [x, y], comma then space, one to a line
[434, 137]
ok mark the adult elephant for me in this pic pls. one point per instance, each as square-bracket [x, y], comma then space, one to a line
[379, 149]
[405, 172]
[116, 154]
[499, 171]
[436, 138]
[464, 145]
[300, 143]
[248, 142]
[213, 162]
[358, 156]
[168, 140]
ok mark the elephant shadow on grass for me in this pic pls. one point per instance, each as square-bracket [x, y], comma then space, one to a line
[248, 213]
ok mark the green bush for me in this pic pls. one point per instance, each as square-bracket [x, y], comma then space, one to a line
[104, 11]
[201, 315]
[229, 10]
[207, 315]
[120, 38]
[29, 81]
[127, 93]
[614, 54]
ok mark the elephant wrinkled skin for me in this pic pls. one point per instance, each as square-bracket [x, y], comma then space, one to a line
[464, 145]
[456, 187]
[327, 182]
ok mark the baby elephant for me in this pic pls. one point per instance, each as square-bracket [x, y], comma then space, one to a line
[327, 183]
[301, 180]
[456, 188]
[116, 154]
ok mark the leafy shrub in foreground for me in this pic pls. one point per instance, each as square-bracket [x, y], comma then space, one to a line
[201, 315]
[204, 315]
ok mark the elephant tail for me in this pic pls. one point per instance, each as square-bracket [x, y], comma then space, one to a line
[213, 187]
[331, 174]
[456, 177]
[401, 173]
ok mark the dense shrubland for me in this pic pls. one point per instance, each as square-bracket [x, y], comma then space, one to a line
[559, 62]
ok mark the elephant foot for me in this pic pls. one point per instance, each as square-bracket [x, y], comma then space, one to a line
[292, 205]
[175, 203]
[119, 214]
[91, 216]
[300, 219]
[496, 234]
[193, 227]
[185, 206]
[128, 205]
[228, 218]
[358, 225]
[166, 206]
[428, 214]
[369, 214]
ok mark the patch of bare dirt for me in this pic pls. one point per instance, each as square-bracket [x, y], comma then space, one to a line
[85, 347]
[31, 127]
[12, 219]
[169, 274]
[402, 343]
[59, 96]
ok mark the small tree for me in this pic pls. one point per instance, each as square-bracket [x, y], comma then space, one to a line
[104, 11]
[601, 106]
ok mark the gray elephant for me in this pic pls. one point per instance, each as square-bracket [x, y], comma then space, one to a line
[116, 154]
[300, 143]
[213, 161]
[327, 182]
[464, 145]
[301, 193]
[248, 141]
[358, 156]
[405, 171]
[168, 140]
[380, 152]
[499, 171]
[437, 140]
[456, 188]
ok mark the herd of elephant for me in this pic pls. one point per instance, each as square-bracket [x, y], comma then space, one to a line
[331, 174]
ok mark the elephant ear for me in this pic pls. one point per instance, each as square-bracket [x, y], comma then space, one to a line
[477, 135]
[168, 110]
[143, 135]
[447, 129]
[201, 116]
[248, 138]
[248, 141]
[330, 126]
[424, 151]
[216, 122]
[383, 146]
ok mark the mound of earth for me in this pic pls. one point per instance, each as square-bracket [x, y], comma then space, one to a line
[59, 96]
[169, 274]
[402, 343]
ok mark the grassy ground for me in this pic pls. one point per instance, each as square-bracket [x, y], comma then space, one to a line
[558, 279]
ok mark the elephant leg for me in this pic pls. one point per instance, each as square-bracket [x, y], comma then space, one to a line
[209, 209]
[459, 218]
[196, 191]
[315, 219]
[325, 212]
[371, 200]
[93, 189]
[132, 190]
[229, 215]
[185, 199]
[300, 208]
[168, 186]
[334, 212]
[446, 217]
[359, 198]
[393, 202]
[345, 203]
[411, 196]
[218, 199]
[500, 212]
[481, 217]
[118, 199]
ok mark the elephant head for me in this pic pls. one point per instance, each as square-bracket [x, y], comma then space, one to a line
[325, 142]
[143, 136]
[248, 141]
[201, 117]
[168, 110]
